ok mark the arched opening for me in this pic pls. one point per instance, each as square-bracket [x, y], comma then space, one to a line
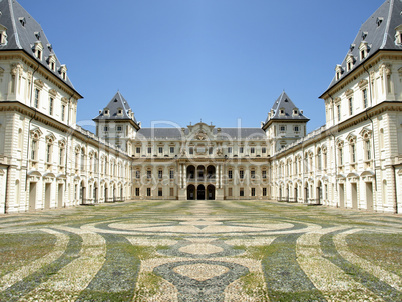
[341, 193]
[201, 174]
[319, 192]
[190, 173]
[83, 196]
[296, 194]
[306, 193]
[211, 192]
[48, 194]
[190, 192]
[211, 173]
[105, 193]
[60, 189]
[201, 192]
[32, 196]
[95, 193]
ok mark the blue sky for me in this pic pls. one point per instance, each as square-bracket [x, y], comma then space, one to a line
[215, 60]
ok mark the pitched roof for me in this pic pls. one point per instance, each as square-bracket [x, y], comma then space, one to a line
[225, 133]
[379, 34]
[284, 103]
[22, 34]
[118, 102]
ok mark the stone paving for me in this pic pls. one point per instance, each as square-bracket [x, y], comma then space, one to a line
[201, 251]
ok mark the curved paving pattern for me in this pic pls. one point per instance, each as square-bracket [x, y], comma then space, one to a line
[203, 251]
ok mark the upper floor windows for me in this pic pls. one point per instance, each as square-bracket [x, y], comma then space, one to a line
[338, 72]
[365, 99]
[52, 62]
[38, 50]
[364, 49]
[349, 62]
[36, 97]
[350, 106]
[3, 35]
[398, 35]
[63, 72]
[51, 101]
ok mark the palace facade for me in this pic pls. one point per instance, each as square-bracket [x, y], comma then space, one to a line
[353, 161]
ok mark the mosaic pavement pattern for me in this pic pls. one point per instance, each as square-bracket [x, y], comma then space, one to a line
[201, 251]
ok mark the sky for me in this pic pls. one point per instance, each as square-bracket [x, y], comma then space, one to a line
[224, 62]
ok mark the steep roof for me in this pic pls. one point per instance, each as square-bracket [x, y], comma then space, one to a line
[225, 133]
[22, 34]
[116, 103]
[379, 34]
[284, 103]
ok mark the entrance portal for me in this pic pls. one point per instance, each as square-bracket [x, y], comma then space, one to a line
[211, 192]
[190, 192]
[201, 192]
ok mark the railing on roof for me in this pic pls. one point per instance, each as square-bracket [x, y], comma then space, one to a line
[309, 136]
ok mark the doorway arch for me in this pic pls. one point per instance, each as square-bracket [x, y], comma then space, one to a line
[200, 192]
[211, 192]
[190, 192]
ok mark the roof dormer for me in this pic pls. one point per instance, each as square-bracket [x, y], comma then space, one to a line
[119, 111]
[398, 35]
[350, 61]
[106, 112]
[295, 111]
[338, 72]
[364, 50]
[63, 72]
[38, 50]
[52, 62]
[3, 35]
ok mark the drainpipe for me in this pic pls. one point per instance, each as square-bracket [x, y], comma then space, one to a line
[396, 189]
[335, 157]
[6, 197]
[372, 127]
[29, 126]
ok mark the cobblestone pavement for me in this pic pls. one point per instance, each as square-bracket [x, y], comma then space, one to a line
[201, 251]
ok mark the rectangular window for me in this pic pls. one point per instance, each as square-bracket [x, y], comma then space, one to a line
[253, 174]
[51, 106]
[339, 112]
[33, 149]
[48, 153]
[160, 150]
[264, 150]
[230, 174]
[36, 101]
[241, 149]
[137, 191]
[241, 192]
[282, 128]
[149, 175]
[149, 150]
[148, 192]
[264, 174]
[296, 128]
[160, 174]
[252, 150]
[190, 150]
[171, 174]
[171, 149]
[159, 192]
[368, 149]
[119, 128]
[229, 149]
[61, 156]
[350, 106]
[138, 150]
[365, 100]
[353, 153]
[137, 174]
[241, 174]
[171, 191]
[253, 192]
[211, 150]
[264, 191]
[106, 129]
[63, 110]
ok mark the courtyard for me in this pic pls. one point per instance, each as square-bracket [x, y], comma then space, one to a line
[201, 251]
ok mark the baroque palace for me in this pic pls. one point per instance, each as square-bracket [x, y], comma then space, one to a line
[353, 161]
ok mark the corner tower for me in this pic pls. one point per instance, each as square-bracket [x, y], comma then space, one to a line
[116, 123]
[285, 124]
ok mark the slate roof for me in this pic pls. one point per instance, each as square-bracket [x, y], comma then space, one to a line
[22, 33]
[284, 102]
[379, 33]
[225, 133]
[117, 102]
